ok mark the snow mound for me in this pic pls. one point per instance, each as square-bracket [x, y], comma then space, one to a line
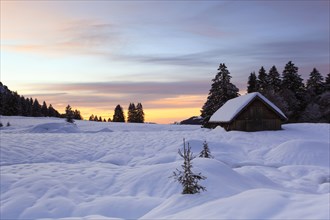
[119, 207]
[219, 129]
[300, 152]
[219, 174]
[55, 128]
[246, 205]
[105, 130]
[99, 131]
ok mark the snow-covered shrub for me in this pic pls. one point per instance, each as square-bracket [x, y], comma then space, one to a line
[205, 153]
[186, 177]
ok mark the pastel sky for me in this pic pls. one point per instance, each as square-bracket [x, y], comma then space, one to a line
[94, 55]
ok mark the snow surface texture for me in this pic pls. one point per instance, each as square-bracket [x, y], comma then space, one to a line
[233, 106]
[93, 170]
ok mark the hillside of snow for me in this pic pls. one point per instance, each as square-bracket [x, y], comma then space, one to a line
[51, 169]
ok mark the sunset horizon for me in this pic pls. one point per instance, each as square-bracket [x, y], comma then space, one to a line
[96, 55]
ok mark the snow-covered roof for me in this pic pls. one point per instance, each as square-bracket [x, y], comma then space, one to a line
[233, 106]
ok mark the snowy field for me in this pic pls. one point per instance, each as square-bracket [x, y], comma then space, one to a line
[94, 170]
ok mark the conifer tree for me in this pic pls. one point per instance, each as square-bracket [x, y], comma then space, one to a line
[24, 105]
[36, 109]
[57, 114]
[17, 104]
[91, 118]
[30, 108]
[262, 80]
[131, 115]
[274, 80]
[2, 99]
[327, 82]
[290, 78]
[327, 79]
[96, 118]
[69, 114]
[44, 109]
[118, 114]
[186, 177]
[293, 91]
[221, 91]
[315, 84]
[109, 119]
[9, 104]
[273, 89]
[315, 110]
[324, 103]
[52, 112]
[139, 113]
[205, 153]
[312, 113]
[77, 115]
[252, 83]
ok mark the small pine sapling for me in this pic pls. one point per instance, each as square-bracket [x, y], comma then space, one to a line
[8, 124]
[186, 177]
[205, 153]
[1, 125]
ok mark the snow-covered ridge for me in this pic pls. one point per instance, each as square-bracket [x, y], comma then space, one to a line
[92, 170]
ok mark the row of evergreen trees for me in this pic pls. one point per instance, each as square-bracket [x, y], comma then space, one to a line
[135, 114]
[300, 102]
[12, 104]
[96, 118]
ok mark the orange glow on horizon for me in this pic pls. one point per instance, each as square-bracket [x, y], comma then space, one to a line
[159, 116]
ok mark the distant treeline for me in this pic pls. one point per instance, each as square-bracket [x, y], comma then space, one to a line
[135, 114]
[300, 102]
[13, 104]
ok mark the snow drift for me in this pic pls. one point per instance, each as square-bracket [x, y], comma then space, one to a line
[55, 128]
[300, 152]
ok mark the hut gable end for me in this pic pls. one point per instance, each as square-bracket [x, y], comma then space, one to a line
[254, 107]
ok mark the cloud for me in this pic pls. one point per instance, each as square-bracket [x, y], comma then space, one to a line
[28, 95]
[78, 37]
[152, 94]
[182, 101]
[181, 87]
[305, 53]
[195, 59]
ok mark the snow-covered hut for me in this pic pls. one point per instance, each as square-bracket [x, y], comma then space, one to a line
[251, 112]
